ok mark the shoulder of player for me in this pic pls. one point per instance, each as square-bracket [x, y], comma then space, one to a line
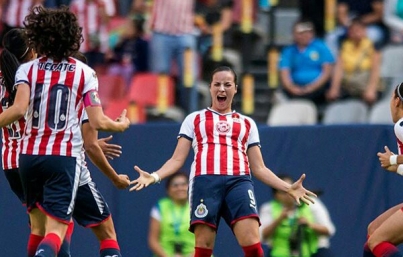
[399, 123]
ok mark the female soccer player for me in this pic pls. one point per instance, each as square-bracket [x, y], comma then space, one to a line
[385, 232]
[50, 92]
[227, 149]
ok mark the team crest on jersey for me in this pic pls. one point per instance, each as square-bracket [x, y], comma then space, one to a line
[223, 127]
[201, 211]
[95, 98]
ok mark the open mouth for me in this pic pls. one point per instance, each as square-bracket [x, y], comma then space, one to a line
[221, 99]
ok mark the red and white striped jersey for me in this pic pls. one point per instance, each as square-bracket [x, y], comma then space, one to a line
[57, 90]
[220, 142]
[15, 12]
[174, 17]
[95, 29]
[399, 135]
[11, 136]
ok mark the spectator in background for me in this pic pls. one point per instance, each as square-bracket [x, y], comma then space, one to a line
[14, 12]
[209, 13]
[172, 26]
[371, 14]
[130, 54]
[315, 11]
[393, 19]
[93, 16]
[306, 65]
[168, 233]
[357, 70]
[322, 217]
[290, 230]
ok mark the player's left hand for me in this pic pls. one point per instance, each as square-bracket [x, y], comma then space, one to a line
[110, 150]
[144, 180]
[299, 193]
[384, 158]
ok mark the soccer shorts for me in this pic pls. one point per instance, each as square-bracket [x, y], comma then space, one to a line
[91, 208]
[215, 196]
[50, 183]
[14, 180]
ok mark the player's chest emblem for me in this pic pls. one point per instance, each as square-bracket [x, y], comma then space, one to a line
[223, 127]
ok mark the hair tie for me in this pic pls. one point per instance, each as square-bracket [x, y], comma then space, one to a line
[26, 51]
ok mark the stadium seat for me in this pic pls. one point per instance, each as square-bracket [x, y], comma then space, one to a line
[346, 112]
[111, 87]
[293, 112]
[392, 63]
[380, 113]
[144, 90]
[136, 114]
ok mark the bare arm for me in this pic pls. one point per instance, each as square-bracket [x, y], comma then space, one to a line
[318, 228]
[321, 81]
[376, 15]
[370, 94]
[264, 174]
[154, 238]
[98, 158]
[19, 107]
[99, 121]
[139, 6]
[342, 14]
[335, 85]
[268, 231]
[226, 18]
[288, 84]
[170, 167]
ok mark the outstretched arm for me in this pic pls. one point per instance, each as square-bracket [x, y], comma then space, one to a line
[264, 174]
[97, 157]
[170, 167]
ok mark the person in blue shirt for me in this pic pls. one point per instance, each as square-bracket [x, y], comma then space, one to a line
[306, 65]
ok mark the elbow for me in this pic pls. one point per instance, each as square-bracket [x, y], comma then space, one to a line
[19, 112]
[98, 124]
[91, 148]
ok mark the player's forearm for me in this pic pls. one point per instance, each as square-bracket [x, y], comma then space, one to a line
[11, 115]
[170, 167]
[269, 178]
[320, 229]
[106, 124]
[98, 158]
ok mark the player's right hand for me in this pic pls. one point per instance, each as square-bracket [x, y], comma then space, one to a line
[123, 120]
[123, 181]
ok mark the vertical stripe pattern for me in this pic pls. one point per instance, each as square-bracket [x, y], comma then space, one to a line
[220, 142]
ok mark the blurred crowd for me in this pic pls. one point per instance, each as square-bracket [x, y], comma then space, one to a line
[182, 39]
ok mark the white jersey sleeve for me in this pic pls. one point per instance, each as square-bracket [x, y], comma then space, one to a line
[91, 79]
[188, 127]
[22, 74]
[253, 138]
[399, 132]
